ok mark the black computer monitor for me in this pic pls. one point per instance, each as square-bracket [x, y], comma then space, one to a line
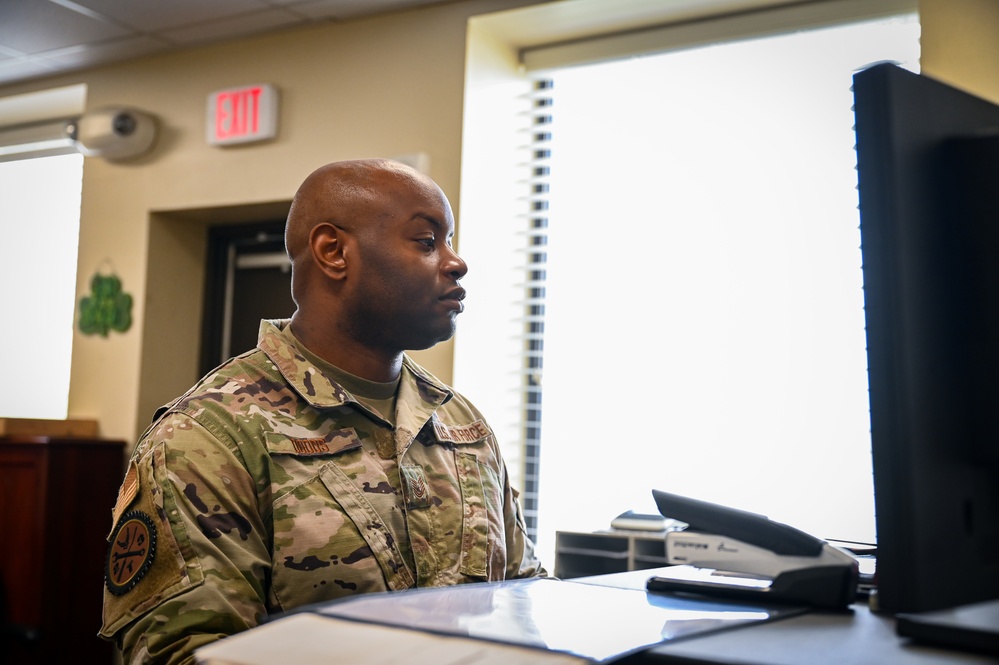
[928, 167]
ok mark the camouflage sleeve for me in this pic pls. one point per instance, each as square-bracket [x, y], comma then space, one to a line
[189, 558]
[521, 558]
[522, 561]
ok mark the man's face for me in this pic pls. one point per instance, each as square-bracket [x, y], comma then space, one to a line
[405, 292]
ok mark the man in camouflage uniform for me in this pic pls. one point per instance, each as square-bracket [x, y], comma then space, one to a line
[324, 462]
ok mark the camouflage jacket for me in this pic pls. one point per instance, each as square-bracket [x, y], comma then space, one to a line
[267, 486]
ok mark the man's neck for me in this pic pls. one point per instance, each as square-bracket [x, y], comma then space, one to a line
[348, 355]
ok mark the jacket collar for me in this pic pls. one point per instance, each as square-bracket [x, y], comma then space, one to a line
[318, 389]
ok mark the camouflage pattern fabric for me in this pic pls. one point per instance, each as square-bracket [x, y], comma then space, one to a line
[263, 489]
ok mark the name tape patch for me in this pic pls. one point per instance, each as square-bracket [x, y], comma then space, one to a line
[462, 433]
[310, 446]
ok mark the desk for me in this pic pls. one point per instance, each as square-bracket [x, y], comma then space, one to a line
[857, 637]
[581, 621]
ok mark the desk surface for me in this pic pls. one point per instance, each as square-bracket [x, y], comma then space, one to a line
[856, 637]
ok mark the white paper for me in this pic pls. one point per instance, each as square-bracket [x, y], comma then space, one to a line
[308, 639]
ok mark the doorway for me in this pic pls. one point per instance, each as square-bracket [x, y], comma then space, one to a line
[248, 278]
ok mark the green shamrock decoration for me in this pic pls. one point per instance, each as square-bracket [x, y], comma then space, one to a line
[108, 308]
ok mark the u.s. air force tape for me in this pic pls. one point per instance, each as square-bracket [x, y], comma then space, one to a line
[133, 548]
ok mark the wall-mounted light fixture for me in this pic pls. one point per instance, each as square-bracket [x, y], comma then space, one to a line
[114, 133]
[37, 139]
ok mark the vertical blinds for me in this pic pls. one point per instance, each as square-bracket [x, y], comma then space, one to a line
[534, 302]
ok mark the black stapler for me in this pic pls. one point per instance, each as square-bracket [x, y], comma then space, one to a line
[729, 553]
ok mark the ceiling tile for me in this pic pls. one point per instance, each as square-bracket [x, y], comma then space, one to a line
[23, 68]
[61, 27]
[44, 37]
[157, 15]
[106, 52]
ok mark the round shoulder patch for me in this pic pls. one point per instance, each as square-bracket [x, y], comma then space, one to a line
[133, 548]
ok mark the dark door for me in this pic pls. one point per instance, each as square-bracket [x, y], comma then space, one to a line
[248, 278]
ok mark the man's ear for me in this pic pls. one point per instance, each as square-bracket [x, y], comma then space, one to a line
[327, 243]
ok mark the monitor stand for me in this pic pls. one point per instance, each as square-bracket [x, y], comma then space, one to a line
[973, 627]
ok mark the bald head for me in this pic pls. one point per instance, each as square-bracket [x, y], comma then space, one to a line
[351, 195]
[347, 194]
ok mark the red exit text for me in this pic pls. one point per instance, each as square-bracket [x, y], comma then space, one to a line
[242, 114]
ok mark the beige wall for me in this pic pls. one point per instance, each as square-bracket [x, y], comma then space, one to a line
[384, 86]
[960, 44]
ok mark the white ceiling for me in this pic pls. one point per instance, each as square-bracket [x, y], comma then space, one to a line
[40, 38]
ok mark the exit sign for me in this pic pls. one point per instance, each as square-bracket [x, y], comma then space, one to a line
[242, 115]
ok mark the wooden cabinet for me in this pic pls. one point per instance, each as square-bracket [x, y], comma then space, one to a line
[56, 497]
[603, 552]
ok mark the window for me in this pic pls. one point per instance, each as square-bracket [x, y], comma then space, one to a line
[41, 178]
[634, 216]
[704, 326]
[39, 223]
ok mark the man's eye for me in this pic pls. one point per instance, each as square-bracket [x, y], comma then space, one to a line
[429, 242]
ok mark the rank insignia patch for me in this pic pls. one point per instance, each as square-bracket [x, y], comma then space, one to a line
[417, 494]
[133, 548]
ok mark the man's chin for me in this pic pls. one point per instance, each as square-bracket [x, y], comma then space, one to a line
[435, 339]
